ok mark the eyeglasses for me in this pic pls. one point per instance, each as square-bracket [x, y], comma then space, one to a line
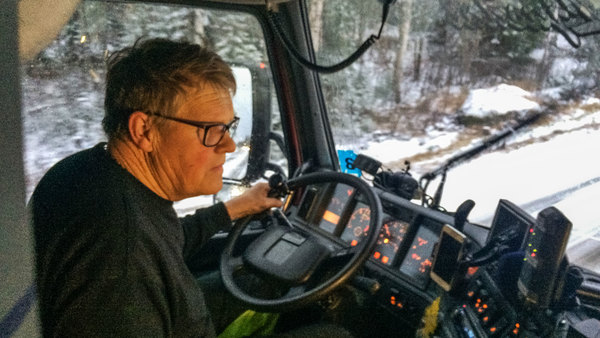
[213, 131]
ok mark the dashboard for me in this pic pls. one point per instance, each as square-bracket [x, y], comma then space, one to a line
[402, 260]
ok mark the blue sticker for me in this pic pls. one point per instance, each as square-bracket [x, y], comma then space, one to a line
[346, 158]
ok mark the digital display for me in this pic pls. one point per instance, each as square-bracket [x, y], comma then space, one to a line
[358, 224]
[417, 262]
[332, 214]
[389, 240]
[509, 216]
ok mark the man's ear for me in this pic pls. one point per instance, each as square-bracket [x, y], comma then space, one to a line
[139, 130]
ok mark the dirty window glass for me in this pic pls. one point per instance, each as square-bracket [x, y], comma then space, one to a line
[63, 86]
[445, 80]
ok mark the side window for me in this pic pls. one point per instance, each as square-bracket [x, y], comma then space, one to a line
[63, 87]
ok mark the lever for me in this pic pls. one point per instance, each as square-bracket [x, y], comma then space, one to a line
[461, 214]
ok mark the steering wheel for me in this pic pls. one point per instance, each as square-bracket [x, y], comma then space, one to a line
[292, 255]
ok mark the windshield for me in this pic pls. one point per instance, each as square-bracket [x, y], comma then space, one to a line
[446, 76]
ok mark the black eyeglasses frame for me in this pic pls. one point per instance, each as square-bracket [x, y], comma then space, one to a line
[203, 125]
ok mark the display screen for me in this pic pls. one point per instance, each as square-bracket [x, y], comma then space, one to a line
[389, 240]
[509, 216]
[417, 262]
[336, 205]
[358, 224]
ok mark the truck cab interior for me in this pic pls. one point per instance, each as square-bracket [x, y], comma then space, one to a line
[437, 159]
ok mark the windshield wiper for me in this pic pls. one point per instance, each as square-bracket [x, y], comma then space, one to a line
[464, 156]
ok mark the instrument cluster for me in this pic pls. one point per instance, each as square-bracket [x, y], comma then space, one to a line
[406, 240]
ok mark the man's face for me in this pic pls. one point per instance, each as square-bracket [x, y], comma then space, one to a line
[183, 165]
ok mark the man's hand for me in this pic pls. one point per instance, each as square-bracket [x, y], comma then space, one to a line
[252, 201]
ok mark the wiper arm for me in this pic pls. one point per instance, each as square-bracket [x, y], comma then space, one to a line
[466, 155]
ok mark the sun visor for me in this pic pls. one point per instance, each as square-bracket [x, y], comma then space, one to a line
[39, 23]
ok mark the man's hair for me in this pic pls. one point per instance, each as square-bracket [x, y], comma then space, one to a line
[153, 74]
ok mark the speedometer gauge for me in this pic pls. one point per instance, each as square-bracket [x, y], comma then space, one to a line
[391, 235]
[358, 225]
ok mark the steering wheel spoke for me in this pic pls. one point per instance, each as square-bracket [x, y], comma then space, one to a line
[236, 264]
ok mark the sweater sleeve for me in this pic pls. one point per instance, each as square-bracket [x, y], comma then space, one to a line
[203, 224]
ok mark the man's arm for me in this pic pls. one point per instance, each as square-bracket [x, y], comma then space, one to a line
[199, 227]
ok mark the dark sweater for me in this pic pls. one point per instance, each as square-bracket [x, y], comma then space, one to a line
[111, 254]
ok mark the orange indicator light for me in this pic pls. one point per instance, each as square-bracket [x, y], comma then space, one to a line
[492, 329]
[400, 305]
[470, 294]
[331, 217]
[262, 65]
[385, 259]
[485, 319]
[377, 255]
[354, 242]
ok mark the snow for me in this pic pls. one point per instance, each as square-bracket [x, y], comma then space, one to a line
[492, 101]
[533, 176]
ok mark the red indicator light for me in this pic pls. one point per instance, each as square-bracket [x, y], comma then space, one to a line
[377, 254]
[465, 306]
[471, 271]
[262, 65]
[533, 254]
[385, 259]
[354, 242]
[531, 230]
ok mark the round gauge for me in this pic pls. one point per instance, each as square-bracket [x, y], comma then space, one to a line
[358, 225]
[391, 235]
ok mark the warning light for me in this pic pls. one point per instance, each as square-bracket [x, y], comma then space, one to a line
[471, 270]
[385, 259]
[331, 217]
[354, 242]
[377, 254]
[262, 65]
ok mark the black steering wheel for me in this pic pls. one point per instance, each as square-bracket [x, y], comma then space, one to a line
[290, 255]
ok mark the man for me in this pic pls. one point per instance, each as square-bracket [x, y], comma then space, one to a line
[110, 250]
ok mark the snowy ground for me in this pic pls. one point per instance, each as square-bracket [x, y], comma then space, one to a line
[563, 170]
